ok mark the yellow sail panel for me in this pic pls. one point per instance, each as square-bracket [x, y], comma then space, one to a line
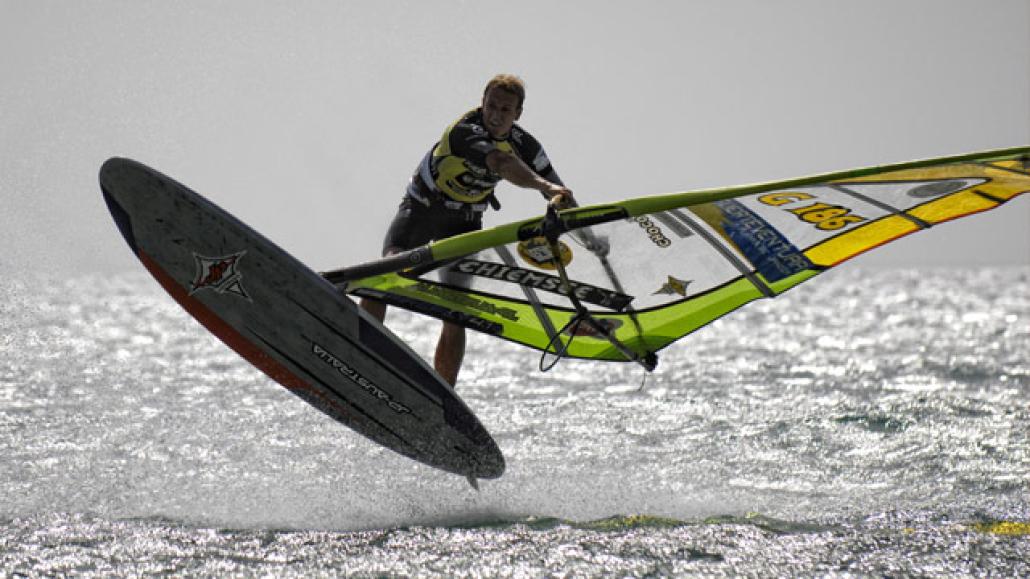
[977, 187]
[1020, 165]
[1000, 179]
[953, 207]
[852, 243]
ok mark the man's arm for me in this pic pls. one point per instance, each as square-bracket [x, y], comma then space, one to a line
[517, 172]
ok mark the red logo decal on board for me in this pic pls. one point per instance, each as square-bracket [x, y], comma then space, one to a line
[220, 274]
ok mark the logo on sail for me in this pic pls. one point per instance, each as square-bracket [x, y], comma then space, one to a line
[537, 252]
[542, 281]
[674, 286]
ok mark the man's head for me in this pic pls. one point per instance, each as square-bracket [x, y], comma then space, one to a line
[502, 103]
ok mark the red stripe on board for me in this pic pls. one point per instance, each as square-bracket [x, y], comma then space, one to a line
[232, 338]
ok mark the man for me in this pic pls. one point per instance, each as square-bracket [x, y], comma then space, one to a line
[454, 184]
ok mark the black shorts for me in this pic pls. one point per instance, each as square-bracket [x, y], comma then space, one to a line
[415, 224]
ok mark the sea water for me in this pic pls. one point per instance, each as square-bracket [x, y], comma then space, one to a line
[870, 422]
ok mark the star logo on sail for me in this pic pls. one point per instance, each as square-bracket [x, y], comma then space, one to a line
[674, 286]
[220, 274]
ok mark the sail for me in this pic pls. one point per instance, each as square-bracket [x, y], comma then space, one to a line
[654, 269]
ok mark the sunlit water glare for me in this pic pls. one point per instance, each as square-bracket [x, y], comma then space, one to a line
[869, 422]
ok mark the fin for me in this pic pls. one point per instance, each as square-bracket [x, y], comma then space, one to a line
[472, 481]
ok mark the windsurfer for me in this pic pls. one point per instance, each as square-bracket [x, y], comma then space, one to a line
[454, 184]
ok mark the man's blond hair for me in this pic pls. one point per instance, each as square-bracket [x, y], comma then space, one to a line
[508, 83]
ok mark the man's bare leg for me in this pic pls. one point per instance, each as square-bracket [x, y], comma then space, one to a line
[450, 351]
[374, 307]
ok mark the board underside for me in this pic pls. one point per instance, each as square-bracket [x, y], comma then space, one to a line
[293, 325]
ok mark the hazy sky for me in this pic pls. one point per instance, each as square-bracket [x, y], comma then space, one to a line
[306, 118]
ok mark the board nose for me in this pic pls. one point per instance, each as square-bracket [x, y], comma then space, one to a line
[108, 172]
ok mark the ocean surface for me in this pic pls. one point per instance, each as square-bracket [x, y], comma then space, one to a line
[870, 422]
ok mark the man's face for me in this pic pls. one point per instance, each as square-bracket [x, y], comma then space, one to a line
[500, 111]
